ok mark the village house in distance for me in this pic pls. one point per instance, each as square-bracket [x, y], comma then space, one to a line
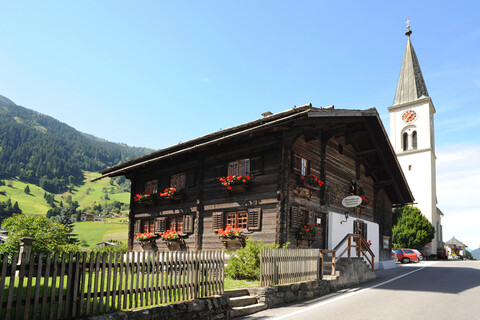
[347, 150]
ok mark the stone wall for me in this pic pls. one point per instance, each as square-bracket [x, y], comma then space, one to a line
[213, 308]
[352, 271]
[281, 295]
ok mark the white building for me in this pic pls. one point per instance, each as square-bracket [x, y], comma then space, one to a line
[413, 139]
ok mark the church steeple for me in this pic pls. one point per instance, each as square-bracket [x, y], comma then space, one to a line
[411, 85]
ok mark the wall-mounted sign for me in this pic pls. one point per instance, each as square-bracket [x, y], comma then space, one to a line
[351, 201]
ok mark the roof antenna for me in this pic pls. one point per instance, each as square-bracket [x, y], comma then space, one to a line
[409, 32]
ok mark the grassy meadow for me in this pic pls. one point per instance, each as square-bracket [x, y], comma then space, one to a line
[92, 232]
[87, 194]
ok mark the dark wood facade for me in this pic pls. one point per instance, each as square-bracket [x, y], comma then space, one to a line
[346, 149]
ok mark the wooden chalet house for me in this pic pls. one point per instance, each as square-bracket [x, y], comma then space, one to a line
[346, 149]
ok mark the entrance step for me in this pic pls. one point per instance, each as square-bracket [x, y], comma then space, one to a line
[242, 311]
[236, 292]
[242, 301]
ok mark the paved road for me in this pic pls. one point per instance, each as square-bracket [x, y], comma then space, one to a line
[427, 290]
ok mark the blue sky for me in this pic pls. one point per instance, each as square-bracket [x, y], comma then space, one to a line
[154, 73]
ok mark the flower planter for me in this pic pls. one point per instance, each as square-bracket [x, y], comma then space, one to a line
[309, 238]
[147, 202]
[176, 245]
[177, 197]
[233, 244]
[239, 188]
[149, 246]
[306, 190]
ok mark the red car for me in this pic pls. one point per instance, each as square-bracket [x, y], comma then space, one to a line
[405, 255]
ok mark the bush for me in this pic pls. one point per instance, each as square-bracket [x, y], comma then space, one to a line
[245, 262]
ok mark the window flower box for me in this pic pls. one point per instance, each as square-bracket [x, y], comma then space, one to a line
[235, 184]
[172, 193]
[231, 238]
[173, 240]
[233, 244]
[144, 198]
[147, 241]
[307, 185]
[175, 245]
[307, 232]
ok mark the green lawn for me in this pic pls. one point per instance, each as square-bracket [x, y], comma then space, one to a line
[235, 284]
[92, 232]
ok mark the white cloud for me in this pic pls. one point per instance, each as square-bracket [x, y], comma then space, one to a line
[458, 191]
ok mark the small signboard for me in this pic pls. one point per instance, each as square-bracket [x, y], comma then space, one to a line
[351, 201]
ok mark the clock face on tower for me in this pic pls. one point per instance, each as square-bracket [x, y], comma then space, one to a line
[409, 116]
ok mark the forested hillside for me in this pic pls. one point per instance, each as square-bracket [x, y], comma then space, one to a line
[46, 152]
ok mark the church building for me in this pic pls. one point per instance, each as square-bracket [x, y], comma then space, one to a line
[413, 139]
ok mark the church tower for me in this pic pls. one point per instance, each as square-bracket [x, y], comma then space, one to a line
[412, 137]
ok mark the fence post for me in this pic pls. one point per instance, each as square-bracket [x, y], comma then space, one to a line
[25, 246]
[196, 271]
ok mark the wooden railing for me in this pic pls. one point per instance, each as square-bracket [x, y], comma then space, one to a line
[283, 266]
[67, 286]
[352, 241]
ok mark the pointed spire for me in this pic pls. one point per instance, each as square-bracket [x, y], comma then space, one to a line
[411, 85]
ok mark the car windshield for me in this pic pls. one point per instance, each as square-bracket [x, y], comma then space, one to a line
[397, 251]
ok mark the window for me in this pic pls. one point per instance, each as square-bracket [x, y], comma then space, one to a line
[147, 226]
[175, 224]
[243, 219]
[178, 181]
[405, 141]
[414, 140]
[304, 217]
[300, 165]
[151, 186]
[239, 167]
[237, 219]
[181, 224]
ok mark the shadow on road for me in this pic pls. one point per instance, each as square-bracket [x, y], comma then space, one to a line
[445, 277]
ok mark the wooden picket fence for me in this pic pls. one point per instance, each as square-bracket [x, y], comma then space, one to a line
[283, 266]
[67, 286]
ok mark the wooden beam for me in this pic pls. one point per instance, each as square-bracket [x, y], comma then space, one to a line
[366, 152]
[381, 183]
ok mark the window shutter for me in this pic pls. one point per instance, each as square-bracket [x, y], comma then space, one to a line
[188, 223]
[364, 231]
[256, 166]
[160, 225]
[190, 178]
[355, 227]
[137, 226]
[296, 163]
[217, 221]
[295, 217]
[254, 219]
[220, 171]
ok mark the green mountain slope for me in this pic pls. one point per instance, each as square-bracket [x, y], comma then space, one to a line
[88, 194]
[46, 152]
[476, 253]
